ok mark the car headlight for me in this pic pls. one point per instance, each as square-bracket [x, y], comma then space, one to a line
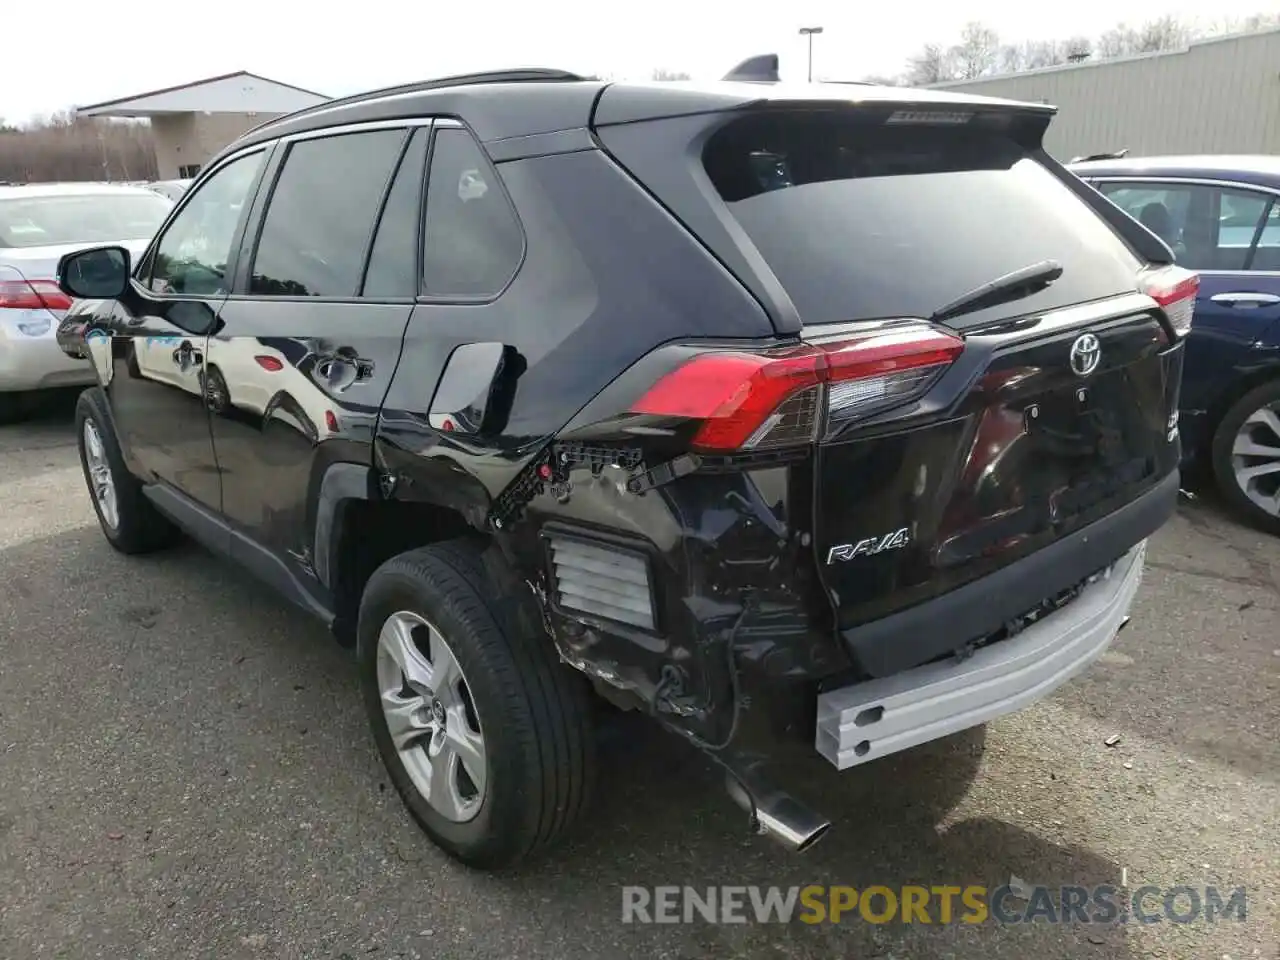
[35, 328]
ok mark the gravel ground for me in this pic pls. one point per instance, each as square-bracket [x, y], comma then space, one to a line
[186, 772]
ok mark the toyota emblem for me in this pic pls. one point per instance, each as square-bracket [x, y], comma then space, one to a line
[1086, 353]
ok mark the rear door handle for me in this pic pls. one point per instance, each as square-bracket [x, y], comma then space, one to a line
[1245, 301]
[342, 367]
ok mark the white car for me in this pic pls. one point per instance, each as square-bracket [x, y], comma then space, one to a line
[39, 223]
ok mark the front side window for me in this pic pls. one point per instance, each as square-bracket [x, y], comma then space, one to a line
[191, 257]
[320, 217]
[473, 243]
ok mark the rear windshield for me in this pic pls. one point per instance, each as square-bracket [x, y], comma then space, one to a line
[41, 221]
[861, 220]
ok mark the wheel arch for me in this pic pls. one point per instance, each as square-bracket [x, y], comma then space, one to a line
[357, 529]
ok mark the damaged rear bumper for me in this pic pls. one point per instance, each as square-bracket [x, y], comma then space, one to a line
[863, 721]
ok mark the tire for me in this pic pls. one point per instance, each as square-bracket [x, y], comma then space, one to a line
[1258, 412]
[134, 526]
[533, 713]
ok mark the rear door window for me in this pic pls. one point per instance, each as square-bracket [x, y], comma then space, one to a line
[860, 220]
[393, 262]
[320, 218]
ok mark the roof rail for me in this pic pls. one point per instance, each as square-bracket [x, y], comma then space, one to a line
[519, 75]
[1117, 155]
[761, 69]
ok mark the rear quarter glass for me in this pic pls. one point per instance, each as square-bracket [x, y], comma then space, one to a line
[859, 220]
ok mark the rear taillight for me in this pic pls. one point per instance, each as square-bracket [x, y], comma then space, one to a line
[774, 398]
[32, 295]
[1175, 290]
[270, 364]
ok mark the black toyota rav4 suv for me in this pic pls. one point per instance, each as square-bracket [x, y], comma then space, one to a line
[824, 419]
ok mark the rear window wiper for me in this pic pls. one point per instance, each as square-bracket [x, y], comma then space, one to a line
[1012, 286]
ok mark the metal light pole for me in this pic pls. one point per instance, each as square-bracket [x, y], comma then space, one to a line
[809, 32]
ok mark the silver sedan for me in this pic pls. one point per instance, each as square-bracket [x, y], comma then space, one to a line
[39, 223]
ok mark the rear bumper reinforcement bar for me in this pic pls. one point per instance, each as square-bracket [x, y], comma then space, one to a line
[861, 722]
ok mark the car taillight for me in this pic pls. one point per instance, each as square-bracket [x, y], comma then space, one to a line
[1175, 290]
[32, 295]
[270, 364]
[773, 398]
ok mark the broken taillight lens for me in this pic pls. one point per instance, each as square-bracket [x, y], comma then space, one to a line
[773, 398]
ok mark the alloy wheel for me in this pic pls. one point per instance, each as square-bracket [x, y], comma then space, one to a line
[100, 479]
[431, 717]
[1255, 458]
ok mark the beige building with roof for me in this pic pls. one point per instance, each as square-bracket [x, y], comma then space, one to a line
[192, 122]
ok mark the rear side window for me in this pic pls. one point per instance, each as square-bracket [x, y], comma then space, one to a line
[859, 220]
[473, 243]
[320, 217]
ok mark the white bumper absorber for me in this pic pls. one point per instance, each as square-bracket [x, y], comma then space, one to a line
[867, 720]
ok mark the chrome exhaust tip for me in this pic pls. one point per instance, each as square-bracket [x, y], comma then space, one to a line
[779, 816]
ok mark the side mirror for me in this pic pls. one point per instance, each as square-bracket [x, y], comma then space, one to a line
[99, 273]
[471, 392]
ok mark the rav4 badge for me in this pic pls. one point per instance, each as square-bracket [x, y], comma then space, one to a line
[870, 546]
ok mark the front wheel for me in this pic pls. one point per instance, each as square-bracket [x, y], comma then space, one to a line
[129, 521]
[1246, 456]
[484, 733]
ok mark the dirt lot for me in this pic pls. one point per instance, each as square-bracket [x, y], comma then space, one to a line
[186, 772]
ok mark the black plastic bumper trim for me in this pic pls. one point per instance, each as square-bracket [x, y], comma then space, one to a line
[923, 633]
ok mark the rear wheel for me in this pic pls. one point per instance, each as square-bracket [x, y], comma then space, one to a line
[484, 733]
[129, 521]
[1246, 456]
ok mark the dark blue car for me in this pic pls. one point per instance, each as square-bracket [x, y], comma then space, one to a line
[1221, 217]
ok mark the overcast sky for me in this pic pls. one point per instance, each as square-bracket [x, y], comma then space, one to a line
[90, 51]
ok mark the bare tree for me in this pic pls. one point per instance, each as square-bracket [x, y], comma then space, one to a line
[1119, 41]
[1043, 53]
[1164, 33]
[661, 74]
[932, 64]
[1010, 59]
[1260, 21]
[62, 147]
[976, 52]
[1078, 49]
